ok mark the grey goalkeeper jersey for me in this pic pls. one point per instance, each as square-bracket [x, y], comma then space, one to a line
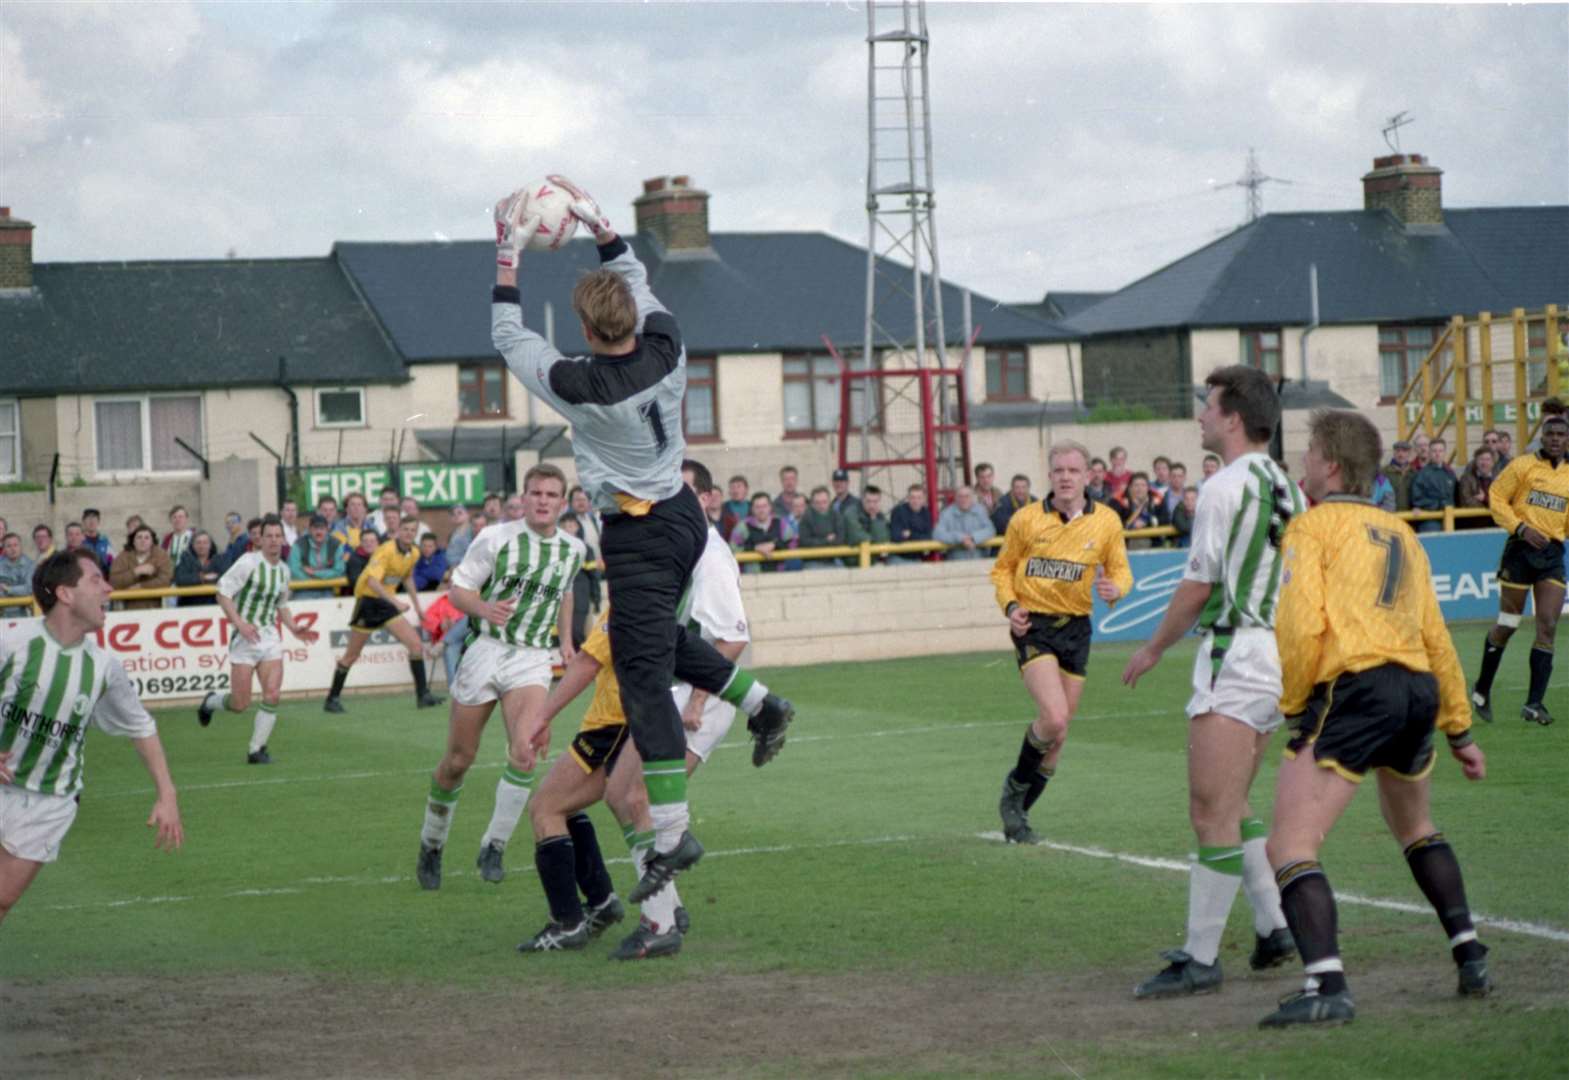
[625, 411]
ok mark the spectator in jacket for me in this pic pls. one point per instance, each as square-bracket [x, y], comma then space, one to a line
[431, 567]
[95, 539]
[1503, 452]
[868, 524]
[964, 523]
[200, 564]
[1473, 486]
[289, 514]
[714, 507]
[911, 521]
[243, 537]
[1179, 484]
[1160, 481]
[763, 533]
[43, 543]
[821, 527]
[1018, 498]
[318, 556]
[843, 501]
[1419, 450]
[16, 569]
[492, 508]
[987, 493]
[1383, 495]
[347, 528]
[737, 506]
[327, 507]
[359, 558]
[1400, 472]
[1182, 516]
[1139, 509]
[1117, 473]
[461, 536]
[1095, 488]
[74, 536]
[178, 538]
[789, 482]
[144, 565]
[1433, 487]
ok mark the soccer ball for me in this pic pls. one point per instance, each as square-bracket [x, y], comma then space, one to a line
[554, 206]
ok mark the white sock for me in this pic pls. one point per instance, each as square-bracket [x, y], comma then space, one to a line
[752, 700]
[1263, 894]
[439, 807]
[659, 910]
[512, 792]
[265, 719]
[1210, 894]
[670, 821]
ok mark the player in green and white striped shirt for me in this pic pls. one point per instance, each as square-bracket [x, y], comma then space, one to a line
[254, 594]
[512, 580]
[55, 681]
[1230, 587]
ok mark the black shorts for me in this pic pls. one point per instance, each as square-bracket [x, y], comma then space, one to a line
[598, 748]
[1382, 718]
[372, 613]
[1523, 565]
[1067, 637]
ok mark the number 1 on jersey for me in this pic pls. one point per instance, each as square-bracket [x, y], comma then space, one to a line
[649, 411]
[1394, 563]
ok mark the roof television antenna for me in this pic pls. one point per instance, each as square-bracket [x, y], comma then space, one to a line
[1392, 128]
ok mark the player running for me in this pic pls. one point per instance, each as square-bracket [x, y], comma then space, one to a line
[624, 403]
[1529, 499]
[55, 681]
[1053, 563]
[1230, 588]
[511, 580]
[1367, 668]
[376, 605]
[254, 594]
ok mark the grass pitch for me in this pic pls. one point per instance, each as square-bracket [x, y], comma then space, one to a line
[851, 918]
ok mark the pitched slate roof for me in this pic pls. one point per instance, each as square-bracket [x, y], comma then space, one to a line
[755, 292]
[1371, 268]
[173, 325]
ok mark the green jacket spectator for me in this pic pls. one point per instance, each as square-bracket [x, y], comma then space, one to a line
[867, 523]
[318, 556]
[1400, 473]
[821, 527]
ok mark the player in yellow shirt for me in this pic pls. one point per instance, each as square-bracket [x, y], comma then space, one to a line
[1529, 499]
[1367, 668]
[376, 607]
[1054, 561]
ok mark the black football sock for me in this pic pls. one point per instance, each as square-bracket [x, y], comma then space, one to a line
[556, 863]
[421, 687]
[1309, 904]
[589, 865]
[1492, 655]
[1437, 874]
[1541, 673]
[339, 674]
[1030, 754]
[1038, 786]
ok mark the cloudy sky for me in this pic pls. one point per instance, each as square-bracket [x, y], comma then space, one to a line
[1076, 146]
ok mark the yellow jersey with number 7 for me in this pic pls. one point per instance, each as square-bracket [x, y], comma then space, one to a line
[1357, 593]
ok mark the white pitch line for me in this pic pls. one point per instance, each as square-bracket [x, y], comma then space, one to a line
[1541, 930]
[1517, 926]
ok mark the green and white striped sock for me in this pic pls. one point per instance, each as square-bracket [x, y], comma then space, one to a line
[439, 808]
[512, 792]
[1213, 882]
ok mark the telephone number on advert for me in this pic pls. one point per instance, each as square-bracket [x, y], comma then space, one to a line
[179, 684]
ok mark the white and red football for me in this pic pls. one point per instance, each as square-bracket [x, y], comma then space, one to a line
[554, 206]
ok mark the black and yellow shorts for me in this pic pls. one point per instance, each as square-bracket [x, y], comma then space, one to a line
[372, 613]
[1523, 565]
[1382, 718]
[1066, 637]
[598, 747]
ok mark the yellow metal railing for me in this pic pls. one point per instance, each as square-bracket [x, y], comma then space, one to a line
[863, 554]
[1445, 379]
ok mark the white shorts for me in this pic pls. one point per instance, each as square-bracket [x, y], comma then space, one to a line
[490, 668]
[1246, 684]
[32, 825]
[718, 715]
[269, 646]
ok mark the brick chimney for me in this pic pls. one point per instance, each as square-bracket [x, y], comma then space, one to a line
[1407, 186]
[674, 213]
[16, 251]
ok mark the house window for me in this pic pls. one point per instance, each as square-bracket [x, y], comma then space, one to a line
[1401, 350]
[1007, 374]
[811, 395]
[341, 407]
[700, 411]
[10, 441]
[1261, 349]
[482, 391]
[143, 434]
